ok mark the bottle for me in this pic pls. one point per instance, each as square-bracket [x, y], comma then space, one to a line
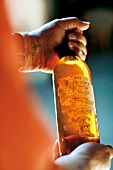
[74, 103]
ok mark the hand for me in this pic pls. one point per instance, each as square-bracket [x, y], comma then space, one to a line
[48, 42]
[87, 156]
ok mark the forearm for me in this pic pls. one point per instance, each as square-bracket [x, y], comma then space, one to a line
[29, 52]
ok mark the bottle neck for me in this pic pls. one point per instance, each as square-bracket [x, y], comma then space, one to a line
[70, 59]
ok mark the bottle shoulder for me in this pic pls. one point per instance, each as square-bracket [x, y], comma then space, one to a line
[73, 65]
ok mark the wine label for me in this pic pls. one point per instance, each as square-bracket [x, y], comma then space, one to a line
[77, 105]
[74, 91]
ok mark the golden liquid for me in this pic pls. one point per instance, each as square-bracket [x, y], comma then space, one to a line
[75, 105]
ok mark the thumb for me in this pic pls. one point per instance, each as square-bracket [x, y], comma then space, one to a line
[71, 23]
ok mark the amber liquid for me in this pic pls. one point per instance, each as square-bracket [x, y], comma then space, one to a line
[75, 104]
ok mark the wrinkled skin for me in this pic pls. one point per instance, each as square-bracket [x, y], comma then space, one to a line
[56, 39]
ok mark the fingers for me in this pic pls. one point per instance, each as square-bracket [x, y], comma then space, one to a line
[77, 42]
[76, 36]
[70, 23]
[77, 45]
[80, 54]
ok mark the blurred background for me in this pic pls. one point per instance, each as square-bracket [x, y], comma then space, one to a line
[29, 15]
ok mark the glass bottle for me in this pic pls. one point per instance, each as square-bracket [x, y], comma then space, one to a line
[74, 103]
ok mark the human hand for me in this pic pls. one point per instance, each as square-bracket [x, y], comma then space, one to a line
[53, 38]
[87, 156]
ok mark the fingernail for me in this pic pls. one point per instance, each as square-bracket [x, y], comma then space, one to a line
[83, 58]
[86, 22]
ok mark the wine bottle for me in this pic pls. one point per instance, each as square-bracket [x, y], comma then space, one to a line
[74, 103]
